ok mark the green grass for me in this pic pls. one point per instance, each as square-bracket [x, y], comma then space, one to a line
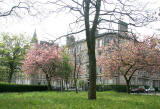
[71, 100]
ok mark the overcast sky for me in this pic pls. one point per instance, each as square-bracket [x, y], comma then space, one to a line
[56, 25]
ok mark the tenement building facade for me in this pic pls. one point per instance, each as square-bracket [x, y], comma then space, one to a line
[80, 47]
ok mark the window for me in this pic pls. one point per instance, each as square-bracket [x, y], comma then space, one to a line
[39, 76]
[147, 82]
[140, 74]
[43, 76]
[99, 80]
[116, 81]
[111, 81]
[99, 43]
[99, 53]
[79, 48]
[108, 39]
[140, 81]
[121, 41]
[155, 83]
[78, 60]
[70, 50]
[87, 68]
[133, 81]
[99, 70]
[84, 57]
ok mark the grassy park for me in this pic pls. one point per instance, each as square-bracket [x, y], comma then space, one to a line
[71, 100]
[40, 56]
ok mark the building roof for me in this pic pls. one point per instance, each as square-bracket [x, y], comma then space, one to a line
[107, 34]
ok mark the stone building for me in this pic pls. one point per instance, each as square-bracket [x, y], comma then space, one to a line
[139, 78]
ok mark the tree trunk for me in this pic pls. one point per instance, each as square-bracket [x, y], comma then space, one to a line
[90, 38]
[76, 85]
[10, 77]
[129, 79]
[92, 75]
[127, 86]
[48, 82]
[75, 68]
[61, 85]
[66, 84]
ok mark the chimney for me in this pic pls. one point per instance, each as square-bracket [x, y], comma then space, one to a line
[70, 40]
[122, 28]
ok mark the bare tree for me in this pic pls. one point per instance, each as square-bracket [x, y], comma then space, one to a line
[93, 15]
[9, 8]
[78, 57]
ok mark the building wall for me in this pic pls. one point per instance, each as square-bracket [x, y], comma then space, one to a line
[142, 78]
[101, 40]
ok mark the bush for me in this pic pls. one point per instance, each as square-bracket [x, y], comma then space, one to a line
[5, 87]
[118, 88]
[156, 89]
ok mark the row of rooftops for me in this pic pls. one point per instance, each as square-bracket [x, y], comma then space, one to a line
[122, 32]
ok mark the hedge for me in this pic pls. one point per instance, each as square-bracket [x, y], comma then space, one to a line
[5, 87]
[118, 88]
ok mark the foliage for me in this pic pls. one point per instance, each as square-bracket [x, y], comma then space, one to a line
[70, 100]
[118, 88]
[12, 51]
[43, 59]
[5, 87]
[81, 83]
[3, 76]
[66, 67]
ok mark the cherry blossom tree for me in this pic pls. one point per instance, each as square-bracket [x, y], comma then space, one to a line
[128, 56]
[44, 59]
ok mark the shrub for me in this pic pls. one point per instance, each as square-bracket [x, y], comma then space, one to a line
[118, 88]
[156, 89]
[5, 87]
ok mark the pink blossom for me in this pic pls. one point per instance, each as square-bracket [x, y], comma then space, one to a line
[43, 58]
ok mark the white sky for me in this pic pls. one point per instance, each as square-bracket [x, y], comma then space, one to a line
[56, 25]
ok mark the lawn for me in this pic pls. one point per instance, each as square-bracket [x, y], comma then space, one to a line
[71, 100]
